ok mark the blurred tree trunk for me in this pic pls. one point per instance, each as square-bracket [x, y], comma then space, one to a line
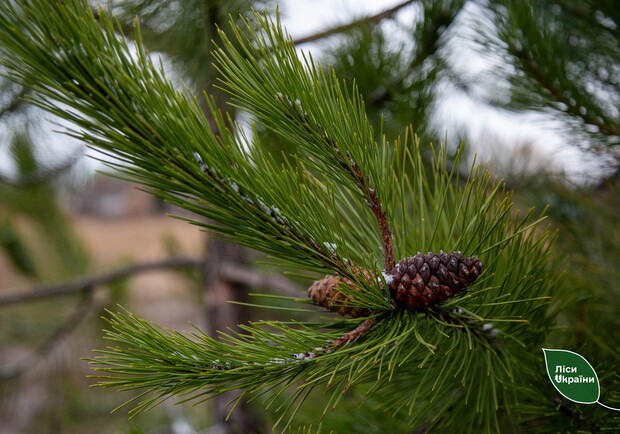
[222, 315]
[217, 291]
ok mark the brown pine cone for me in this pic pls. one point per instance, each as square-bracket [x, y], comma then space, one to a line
[325, 293]
[416, 283]
[425, 280]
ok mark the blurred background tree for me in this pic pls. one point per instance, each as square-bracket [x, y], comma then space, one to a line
[544, 67]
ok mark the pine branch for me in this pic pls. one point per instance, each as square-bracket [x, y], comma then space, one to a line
[337, 30]
[180, 162]
[68, 325]
[359, 331]
[377, 209]
[553, 73]
[269, 85]
[80, 284]
[128, 29]
[353, 170]
[532, 67]
[315, 354]
[342, 202]
[437, 23]
[229, 272]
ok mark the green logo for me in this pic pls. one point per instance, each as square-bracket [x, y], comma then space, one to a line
[573, 376]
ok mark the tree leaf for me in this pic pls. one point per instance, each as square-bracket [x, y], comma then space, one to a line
[572, 375]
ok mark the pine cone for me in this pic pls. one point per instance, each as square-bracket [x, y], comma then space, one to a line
[416, 283]
[425, 280]
[325, 293]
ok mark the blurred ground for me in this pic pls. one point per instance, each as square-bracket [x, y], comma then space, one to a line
[52, 395]
[158, 294]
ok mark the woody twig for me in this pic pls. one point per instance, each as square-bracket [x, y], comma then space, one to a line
[353, 169]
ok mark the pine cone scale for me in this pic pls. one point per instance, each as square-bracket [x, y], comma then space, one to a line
[324, 292]
[425, 280]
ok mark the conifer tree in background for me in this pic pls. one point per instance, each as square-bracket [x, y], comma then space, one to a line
[29, 197]
[27, 194]
[445, 352]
